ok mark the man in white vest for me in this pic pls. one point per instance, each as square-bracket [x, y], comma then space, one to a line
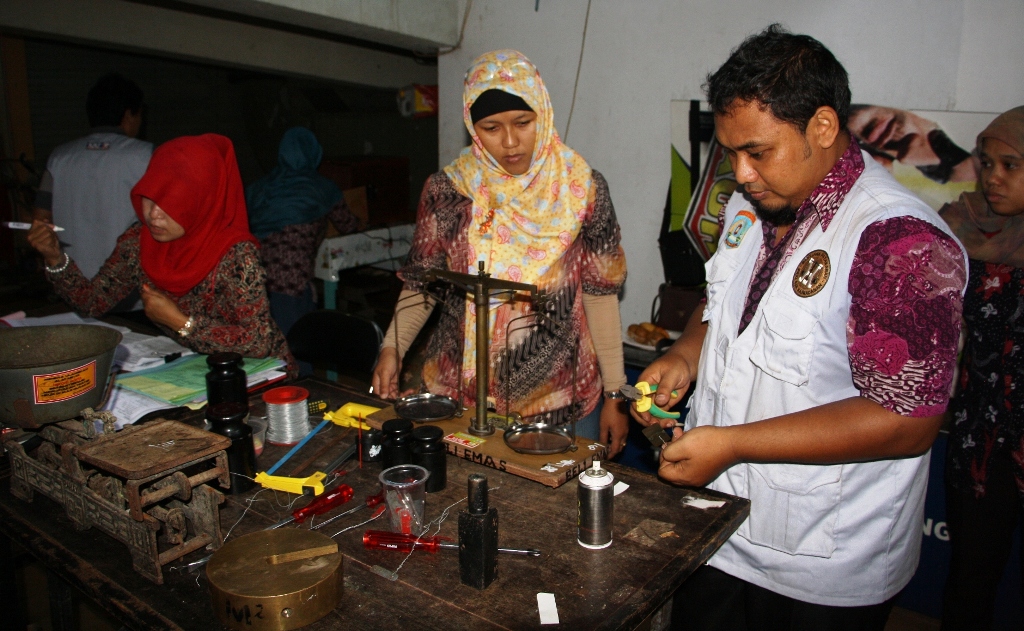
[823, 356]
[87, 184]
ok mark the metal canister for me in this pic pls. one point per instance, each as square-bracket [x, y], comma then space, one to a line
[595, 499]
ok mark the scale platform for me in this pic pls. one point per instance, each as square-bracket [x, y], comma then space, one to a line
[491, 451]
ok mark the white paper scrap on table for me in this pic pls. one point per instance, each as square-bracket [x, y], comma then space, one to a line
[701, 503]
[547, 608]
[620, 487]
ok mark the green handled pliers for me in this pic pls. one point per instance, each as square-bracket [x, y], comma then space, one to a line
[641, 395]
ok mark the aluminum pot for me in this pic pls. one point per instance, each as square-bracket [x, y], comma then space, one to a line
[51, 373]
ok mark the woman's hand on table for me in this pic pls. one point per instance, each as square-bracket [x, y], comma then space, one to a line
[160, 308]
[614, 426]
[42, 237]
[385, 373]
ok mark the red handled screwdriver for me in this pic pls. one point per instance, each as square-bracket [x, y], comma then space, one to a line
[406, 542]
[328, 501]
[371, 501]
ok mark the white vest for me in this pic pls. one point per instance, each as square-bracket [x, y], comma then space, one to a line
[839, 535]
[92, 181]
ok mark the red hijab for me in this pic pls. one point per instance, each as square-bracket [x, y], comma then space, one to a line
[195, 180]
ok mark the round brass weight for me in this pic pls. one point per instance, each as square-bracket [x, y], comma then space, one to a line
[251, 593]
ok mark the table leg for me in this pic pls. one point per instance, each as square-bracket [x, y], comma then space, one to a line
[14, 613]
[63, 608]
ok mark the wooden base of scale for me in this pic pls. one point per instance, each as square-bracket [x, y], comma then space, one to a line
[491, 451]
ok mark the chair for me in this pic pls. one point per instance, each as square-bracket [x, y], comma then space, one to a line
[337, 341]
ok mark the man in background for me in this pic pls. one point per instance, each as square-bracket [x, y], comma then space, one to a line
[87, 182]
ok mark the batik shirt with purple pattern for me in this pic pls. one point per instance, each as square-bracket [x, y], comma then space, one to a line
[905, 290]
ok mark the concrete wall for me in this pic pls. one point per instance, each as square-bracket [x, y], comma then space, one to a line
[918, 54]
[151, 29]
[421, 25]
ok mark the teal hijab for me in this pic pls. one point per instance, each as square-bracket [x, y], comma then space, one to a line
[293, 193]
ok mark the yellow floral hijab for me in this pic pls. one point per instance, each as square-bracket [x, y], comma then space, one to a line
[536, 215]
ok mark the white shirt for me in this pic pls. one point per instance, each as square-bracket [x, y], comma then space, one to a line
[92, 181]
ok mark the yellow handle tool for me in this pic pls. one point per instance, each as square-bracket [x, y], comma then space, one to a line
[350, 415]
[313, 485]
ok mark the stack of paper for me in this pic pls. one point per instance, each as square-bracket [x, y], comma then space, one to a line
[184, 380]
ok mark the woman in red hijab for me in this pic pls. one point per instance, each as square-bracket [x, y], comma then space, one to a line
[192, 258]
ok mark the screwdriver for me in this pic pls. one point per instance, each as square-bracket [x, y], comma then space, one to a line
[407, 542]
[328, 501]
[371, 501]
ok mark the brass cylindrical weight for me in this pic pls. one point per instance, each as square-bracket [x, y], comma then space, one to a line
[254, 587]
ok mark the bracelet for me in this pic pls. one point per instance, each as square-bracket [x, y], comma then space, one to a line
[185, 330]
[61, 268]
[615, 395]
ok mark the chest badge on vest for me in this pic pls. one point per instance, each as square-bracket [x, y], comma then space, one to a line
[744, 220]
[812, 274]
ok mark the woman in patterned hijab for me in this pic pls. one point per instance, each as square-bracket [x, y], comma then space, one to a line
[529, 209]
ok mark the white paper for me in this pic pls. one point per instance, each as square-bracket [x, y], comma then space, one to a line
[620, 487]
[548, 609]
[138, 351]
[62, 318]
[701, 503]
[130, 406]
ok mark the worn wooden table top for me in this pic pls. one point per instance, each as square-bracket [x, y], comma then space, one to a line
[658, 541]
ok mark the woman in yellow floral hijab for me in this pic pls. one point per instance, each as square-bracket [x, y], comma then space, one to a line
[531, 210]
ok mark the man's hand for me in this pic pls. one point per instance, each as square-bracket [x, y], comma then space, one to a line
[670, 372]
[674, 370]
[850, 430]
[385, 374]
[42, 237]
[161, 309]
[614, 426]
[696, 457]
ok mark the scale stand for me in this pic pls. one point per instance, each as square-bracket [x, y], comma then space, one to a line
[482, 286]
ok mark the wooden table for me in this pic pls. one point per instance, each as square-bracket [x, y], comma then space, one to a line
[658, 542]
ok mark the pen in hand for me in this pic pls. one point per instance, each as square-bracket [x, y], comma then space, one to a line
[21, 225]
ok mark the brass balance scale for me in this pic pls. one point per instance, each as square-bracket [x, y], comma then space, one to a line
[534, 438]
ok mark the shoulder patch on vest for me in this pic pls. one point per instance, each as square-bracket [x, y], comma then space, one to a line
[744, 220]
[812, 274]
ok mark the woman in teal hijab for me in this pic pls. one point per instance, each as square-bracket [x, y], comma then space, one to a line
[293, 193]
[288, 213]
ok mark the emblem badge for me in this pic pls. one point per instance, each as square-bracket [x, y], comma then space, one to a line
[812, 274]
[744, 220]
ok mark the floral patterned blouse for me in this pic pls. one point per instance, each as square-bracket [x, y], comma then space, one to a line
[288, 255]
[535, 375]
[229, 307]
[988, 410]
